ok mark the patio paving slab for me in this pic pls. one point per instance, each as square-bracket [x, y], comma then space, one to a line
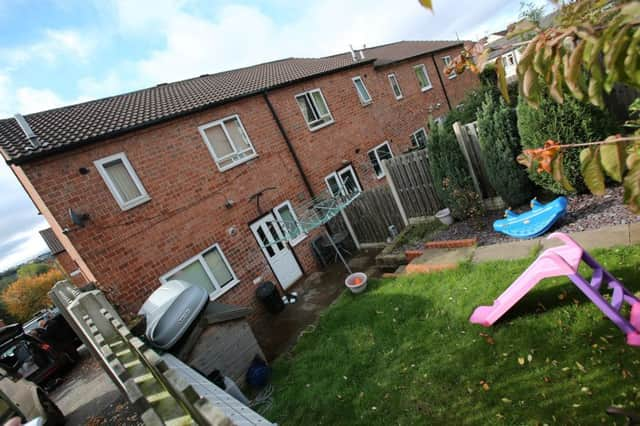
[505, 251]
[433, 260]
[610, 236]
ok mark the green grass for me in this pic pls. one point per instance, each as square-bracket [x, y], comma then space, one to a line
[405, 353]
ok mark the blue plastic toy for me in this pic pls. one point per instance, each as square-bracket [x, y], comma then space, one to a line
[533, 223]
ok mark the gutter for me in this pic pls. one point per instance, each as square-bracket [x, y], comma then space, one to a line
[296, 159]
[444, 89]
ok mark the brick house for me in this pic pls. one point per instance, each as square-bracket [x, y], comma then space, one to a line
[167, 176]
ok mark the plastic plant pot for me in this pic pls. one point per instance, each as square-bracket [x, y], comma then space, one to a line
[356, 282]
[445, 217]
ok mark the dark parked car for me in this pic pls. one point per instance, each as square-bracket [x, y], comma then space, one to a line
[50, 326]
[30, 357]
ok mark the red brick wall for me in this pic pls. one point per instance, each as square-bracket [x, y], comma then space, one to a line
[70, 266]
[358, 128]
[127, 251]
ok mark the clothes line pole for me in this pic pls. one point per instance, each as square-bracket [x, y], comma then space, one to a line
[333, 244]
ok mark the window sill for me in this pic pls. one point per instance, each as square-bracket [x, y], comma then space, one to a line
[328, 123]
[424, 89]
[135, 203]
[382, 176]
[226, 288]
[365, 104]
[451, 77]
[237, 163]
[298, 240]
[400, 98]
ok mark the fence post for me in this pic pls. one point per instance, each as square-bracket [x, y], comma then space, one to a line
[461, 137]
[394, 192]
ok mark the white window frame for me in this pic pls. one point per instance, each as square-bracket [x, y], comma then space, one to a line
[426, 74]
[363, 101]
[338, 177]
[393, 77]
[235, 152]
[124, 205]
[295, 241]
[412, 138]
[375, 152]
[447, 60]
[200, 258]
[511, 55]
[310, 124]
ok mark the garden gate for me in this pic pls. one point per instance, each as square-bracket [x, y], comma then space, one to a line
[371, 214]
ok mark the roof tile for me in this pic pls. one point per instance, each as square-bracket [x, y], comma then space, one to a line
[72, 125]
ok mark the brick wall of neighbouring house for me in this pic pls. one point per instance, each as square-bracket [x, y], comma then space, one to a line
[358, 128]
[128, 251]
[70, 267]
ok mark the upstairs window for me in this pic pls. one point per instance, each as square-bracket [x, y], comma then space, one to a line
[447, 61]
[363, 93]
[209, 270]
[228, 142]
[314, 109]
[395, 87]
[122, 181]
[423, 77]
[343, 182]
[377, 154]
[419, 138]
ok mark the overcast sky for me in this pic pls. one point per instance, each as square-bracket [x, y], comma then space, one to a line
[58, 52]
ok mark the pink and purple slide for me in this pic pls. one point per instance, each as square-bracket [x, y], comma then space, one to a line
[564, 261]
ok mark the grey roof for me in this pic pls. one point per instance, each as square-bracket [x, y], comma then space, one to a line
[63, 128]
[52, 241]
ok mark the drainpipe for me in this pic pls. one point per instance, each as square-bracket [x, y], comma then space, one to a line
[288, 142]
[444, 89]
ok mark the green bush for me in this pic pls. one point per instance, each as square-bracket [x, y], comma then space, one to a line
[450, 173]
[32, 270]
[569, 122]
[500, 145]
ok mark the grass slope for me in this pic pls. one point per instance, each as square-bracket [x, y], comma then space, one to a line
[405, 353]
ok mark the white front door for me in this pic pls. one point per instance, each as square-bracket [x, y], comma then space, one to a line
[272, 242]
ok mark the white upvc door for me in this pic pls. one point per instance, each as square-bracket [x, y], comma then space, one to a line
[275, 248]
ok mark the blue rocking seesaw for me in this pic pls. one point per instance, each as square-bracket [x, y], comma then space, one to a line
[533, 223]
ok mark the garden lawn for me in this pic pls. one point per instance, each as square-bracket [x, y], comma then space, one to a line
[405, 353]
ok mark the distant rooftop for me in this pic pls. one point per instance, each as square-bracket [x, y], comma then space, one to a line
[63, 128]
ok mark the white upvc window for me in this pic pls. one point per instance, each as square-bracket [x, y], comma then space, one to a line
[447, 61]
[377, 154]
[395, 86]
[314, 109]
[423, 77]
[343, 182]
[228, 142]
[122, 180]
[209, 270]
[419, 138]
[363, 93]
[509, 59]
[288, 220]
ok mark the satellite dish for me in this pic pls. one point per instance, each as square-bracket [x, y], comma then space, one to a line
[78, 218]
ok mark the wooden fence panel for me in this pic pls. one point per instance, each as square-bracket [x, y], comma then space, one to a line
[372, 213]
[467, 135]
[411, 177]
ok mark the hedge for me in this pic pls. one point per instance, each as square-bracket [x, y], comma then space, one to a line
[500, 145]
[450, 173]
[569, 122]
